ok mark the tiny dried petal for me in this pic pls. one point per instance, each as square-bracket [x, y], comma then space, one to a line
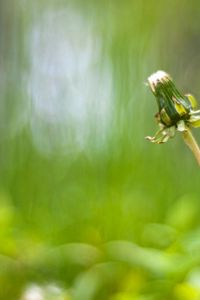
[181, 126]
[194, 121]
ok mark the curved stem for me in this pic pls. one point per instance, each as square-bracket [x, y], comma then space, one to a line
[192, 144]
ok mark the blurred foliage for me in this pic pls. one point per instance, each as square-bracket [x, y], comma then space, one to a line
[88, 209]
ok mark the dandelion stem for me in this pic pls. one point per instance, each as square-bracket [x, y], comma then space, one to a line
[192, 144]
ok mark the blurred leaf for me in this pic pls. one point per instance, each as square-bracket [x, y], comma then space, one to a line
[158, 235]
[152, 260]
[183, 214]
[96, 282]
[184, 291]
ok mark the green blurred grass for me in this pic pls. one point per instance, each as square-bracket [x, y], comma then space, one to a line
[116, 218]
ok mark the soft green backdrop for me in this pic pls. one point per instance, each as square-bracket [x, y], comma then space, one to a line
[88, 208]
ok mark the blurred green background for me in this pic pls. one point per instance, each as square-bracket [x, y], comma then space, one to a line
[89, 210]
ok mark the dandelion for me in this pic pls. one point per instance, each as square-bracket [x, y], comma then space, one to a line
[176, 112]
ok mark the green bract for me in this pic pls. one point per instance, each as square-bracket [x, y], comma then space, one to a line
[175, 110]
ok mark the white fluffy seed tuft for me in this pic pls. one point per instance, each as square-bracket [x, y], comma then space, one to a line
[157, 77]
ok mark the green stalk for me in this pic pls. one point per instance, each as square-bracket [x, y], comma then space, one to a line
[192, 144]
